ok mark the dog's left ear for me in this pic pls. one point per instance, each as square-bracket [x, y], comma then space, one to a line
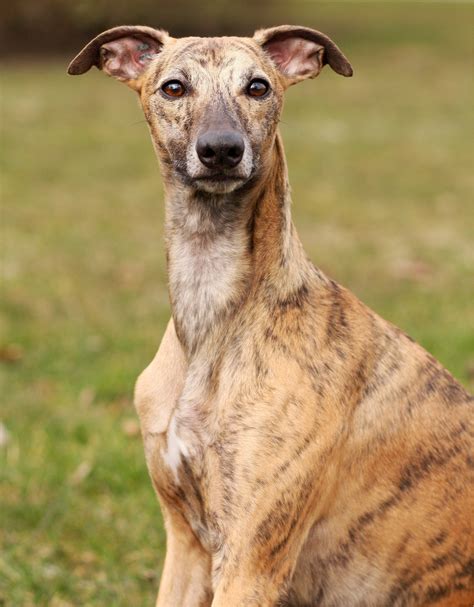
[301, 52]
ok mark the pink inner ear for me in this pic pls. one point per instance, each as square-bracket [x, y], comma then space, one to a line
[127, 58]
[296, 56]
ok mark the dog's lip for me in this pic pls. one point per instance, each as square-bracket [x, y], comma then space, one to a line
[219, 177]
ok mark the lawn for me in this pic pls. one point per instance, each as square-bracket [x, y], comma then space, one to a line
[381, 169]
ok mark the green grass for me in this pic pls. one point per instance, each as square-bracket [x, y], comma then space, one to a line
[381, 168]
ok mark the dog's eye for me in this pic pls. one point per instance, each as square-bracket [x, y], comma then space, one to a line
[258, 88]
[173, 88]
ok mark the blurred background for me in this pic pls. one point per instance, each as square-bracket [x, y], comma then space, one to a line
[381, 169]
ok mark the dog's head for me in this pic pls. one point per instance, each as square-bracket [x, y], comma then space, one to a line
[213, 104]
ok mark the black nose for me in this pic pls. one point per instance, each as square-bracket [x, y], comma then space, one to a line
[220, 149]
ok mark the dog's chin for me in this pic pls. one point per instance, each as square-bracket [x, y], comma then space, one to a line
[218, 185]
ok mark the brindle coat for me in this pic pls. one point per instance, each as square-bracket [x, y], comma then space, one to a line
[304, 451]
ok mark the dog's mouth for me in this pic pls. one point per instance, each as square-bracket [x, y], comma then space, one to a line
[219, 178]
[219, 183]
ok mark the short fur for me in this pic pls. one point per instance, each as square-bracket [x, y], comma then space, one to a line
[305, 452]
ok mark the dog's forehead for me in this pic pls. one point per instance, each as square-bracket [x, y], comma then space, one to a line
[211, 53]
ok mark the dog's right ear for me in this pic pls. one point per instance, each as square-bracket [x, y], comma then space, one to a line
[123, 52]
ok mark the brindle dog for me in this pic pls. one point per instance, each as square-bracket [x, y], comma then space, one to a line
[304, 451]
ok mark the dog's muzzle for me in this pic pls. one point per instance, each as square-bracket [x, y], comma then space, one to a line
[219, 160]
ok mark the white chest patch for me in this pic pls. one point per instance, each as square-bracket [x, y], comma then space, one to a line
[176, 449]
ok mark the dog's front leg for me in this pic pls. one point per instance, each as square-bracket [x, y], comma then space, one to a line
[247, 592]
[186, 577]
[186, 580]
[258, 563]
[271, 520]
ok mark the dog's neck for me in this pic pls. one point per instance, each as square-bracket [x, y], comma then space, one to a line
[221, 248]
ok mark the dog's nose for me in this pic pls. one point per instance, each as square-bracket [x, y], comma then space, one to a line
[220, 149]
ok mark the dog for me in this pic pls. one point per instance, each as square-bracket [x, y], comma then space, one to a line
[305, 452]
